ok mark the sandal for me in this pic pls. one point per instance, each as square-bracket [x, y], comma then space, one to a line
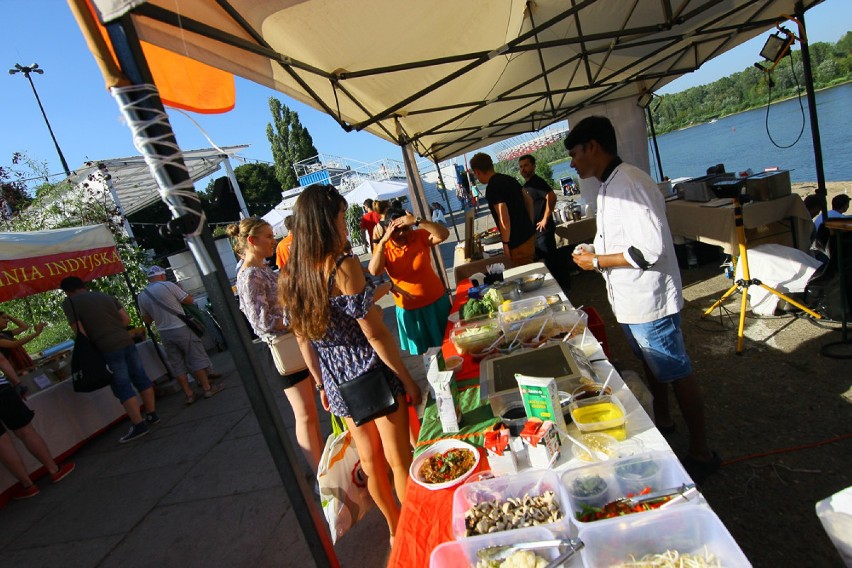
[189, 400]
[214, 390]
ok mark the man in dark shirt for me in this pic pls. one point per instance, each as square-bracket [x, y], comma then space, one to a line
[104, 321]
[544, 199]
[511, 208]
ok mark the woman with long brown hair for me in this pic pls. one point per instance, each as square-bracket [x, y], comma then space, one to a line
[257, 287]
[331, 308]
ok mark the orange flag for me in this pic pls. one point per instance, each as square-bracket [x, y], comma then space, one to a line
[184, 82]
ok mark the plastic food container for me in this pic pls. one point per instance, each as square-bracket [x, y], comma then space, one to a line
[453, 363]
[596, 441]
[462, 553]
[512, 314]
[600, 414]
[687, 530]
[669, 473]
[532, 483]
[475, 335]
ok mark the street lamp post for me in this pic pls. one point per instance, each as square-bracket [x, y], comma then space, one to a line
[34, 68]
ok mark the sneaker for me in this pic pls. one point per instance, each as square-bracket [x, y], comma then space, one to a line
[213, 390]
[136, 431]
[151, 418]
[27, 492]
[62, 472]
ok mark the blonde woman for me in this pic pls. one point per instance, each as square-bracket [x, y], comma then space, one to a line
[331, 308]
[257, 288]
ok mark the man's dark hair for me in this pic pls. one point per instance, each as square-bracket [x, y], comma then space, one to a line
[840, 202]
[529, 157]
[368, 203]
[72, 284]
[481, 162]
[813, 203]
[597, 128]
[288, 223]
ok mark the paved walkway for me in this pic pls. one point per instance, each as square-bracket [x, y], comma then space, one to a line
[199, 490]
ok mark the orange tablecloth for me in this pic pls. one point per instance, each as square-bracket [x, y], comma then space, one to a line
[426, 519]
[425, 522]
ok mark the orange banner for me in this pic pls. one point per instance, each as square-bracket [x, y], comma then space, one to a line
[23, 277]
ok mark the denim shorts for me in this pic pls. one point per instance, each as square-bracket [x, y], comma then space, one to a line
[128, 372]
[660, 345]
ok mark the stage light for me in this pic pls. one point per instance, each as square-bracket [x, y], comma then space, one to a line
[777, 46]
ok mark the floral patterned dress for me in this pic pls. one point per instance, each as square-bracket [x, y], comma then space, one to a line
[257, 288]
[344, 352]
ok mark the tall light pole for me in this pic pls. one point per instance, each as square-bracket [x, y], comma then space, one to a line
[34, 68]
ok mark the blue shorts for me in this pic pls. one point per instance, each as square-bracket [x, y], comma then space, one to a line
[660, 345]
[128, 372]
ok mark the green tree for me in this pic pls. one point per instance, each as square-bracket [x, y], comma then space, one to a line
[260, 186]
[58, 206]
[290, 142]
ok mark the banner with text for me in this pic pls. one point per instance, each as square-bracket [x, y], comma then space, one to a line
[37, 261]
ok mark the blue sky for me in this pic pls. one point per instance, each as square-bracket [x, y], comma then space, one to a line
[88, 125]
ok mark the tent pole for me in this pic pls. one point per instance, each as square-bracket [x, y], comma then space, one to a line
[809, 86]
[654, 141]
[244, 214]
[413, 175]
[447, 199]
[155, 139]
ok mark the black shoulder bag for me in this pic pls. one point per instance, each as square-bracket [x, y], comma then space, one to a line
[89, 371]
[368, 396]
[193, 324]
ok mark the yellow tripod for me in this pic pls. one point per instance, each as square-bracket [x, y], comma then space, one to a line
[747, 281]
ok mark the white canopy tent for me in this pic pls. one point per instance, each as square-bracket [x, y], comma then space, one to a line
[463, 74]
[376, 190]
[275, 217]
[438, 78]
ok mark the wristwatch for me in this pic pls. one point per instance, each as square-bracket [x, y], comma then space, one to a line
[596, 264]
[417, 221]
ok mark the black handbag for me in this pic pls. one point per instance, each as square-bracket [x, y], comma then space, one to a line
[369, 396]
[89, 371]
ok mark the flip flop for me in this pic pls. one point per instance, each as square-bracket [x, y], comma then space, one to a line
[189, 400]
[698, 470]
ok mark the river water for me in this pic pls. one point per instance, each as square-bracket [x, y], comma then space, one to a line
[741, 141]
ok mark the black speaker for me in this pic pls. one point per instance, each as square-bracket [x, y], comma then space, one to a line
[224, 195]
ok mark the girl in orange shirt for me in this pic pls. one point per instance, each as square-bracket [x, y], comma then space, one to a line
[422, 305]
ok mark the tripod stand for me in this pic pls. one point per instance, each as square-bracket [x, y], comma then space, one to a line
[747, 280]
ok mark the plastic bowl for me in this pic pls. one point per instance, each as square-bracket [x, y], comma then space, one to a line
[596, 441]
[453, 363]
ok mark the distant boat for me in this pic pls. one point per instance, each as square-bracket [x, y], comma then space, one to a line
[714, 120]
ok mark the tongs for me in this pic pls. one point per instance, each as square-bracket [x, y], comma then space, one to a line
[684, 492]
[501, 552]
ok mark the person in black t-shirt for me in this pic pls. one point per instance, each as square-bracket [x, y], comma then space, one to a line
[544, 199]
[511, 208]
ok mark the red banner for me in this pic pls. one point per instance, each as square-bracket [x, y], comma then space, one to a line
[23, 277]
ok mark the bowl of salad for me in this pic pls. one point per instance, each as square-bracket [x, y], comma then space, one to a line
[444, 464]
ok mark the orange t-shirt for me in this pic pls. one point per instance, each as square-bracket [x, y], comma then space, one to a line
[410, 268]
[282, 251]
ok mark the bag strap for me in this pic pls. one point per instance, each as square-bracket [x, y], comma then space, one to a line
[76, 319]
[338, 426]
[164, 306]
[337, 264]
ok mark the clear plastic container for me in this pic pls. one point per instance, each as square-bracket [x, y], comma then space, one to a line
[668, 474]
[532, 483]
[462, 553]
[686, 530]
[600, 414]
[475, 335]
[514, 315]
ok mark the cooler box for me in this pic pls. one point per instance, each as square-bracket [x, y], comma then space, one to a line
[766, 186]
